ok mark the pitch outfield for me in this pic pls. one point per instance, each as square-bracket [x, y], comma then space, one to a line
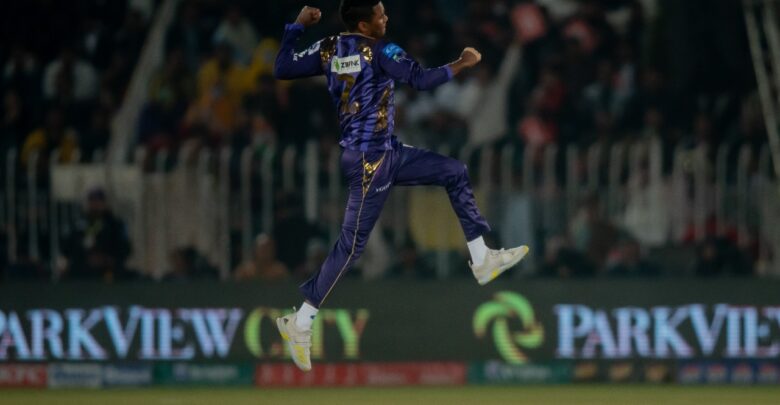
[537, 395]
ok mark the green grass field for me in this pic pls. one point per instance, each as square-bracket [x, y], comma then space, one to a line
[537, 395]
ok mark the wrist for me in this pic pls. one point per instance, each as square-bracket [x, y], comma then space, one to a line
[456, 66]
[450, 72]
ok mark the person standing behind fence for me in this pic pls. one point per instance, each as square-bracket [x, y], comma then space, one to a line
[264, 264]
[98, 246]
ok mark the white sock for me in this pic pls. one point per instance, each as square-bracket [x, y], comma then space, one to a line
[305, 316]
[478, 250]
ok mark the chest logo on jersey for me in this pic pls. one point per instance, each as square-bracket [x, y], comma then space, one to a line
[349, 64]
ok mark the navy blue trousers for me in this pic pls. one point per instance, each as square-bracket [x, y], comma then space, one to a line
[370, 177]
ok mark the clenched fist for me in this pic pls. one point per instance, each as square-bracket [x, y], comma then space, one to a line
[309, 16]
[470, 57]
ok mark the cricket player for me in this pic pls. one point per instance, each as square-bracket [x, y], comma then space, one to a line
[361, 69]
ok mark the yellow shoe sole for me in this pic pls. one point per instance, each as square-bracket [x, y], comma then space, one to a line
[497, 272]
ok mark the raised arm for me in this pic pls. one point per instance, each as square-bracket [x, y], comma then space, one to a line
[399, 66]
[292, 65]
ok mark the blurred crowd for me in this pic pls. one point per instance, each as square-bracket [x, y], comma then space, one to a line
[553, 73]
[65, 67]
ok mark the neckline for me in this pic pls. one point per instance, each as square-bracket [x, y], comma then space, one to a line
[358, 34]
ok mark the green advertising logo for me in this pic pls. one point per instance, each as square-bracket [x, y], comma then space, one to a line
[265, 342]
[505, 306]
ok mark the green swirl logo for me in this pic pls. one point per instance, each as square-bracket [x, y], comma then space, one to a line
[506, 306]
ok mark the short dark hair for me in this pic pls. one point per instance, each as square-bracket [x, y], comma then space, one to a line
[354, 11]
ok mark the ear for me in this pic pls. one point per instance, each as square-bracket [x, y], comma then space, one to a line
[364, 28]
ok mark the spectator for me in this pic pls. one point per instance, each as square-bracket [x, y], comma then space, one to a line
[539, 127]
[261, 134]
[624, 84]
[591, 28]
[263, 59]
[21, 74]
[721, 257]
[647, 212]
[96, 41]
[170, 89]
[15, 123]
[599, 96]
[221, 87]
[626, 261]
[53, 135]
[237, 31]
[221, 74]
[486, 95]
[651, 94]
[68, 68]
[99, 245]
[187, 264]
[593, 234]
[264, 265]
[96, 137]
[562, 261]
[173, 84]
[750, 130]
[187, 34]
[577, 67]
[264, 99]
[117, 75]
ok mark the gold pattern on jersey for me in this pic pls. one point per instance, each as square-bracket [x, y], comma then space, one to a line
[381, 115]
[369, 169]
[346, 106]
[367, 53]
[327, 50]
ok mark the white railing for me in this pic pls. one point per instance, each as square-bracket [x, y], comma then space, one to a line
[203, 198]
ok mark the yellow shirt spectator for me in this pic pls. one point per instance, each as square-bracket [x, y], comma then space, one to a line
[54, 134]
[220, 71]
[39, 141]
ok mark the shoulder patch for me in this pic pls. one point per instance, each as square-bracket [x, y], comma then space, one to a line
[393, 51]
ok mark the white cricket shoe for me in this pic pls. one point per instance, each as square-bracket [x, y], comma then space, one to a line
[497, 262]
[298, 341]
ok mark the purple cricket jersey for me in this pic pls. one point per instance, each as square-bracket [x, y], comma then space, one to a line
[361, 72]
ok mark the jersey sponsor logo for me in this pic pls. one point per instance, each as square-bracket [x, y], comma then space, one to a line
[383, 188]
[393, 52]
[312, 49]
[346, 65]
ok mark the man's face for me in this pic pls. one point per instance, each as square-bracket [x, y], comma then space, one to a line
[378, 23]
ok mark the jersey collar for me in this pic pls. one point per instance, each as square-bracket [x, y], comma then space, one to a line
[358, 34]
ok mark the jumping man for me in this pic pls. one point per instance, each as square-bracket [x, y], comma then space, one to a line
[361, 69]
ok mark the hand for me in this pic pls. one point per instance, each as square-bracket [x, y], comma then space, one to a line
[470, 57]
[309, 16]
